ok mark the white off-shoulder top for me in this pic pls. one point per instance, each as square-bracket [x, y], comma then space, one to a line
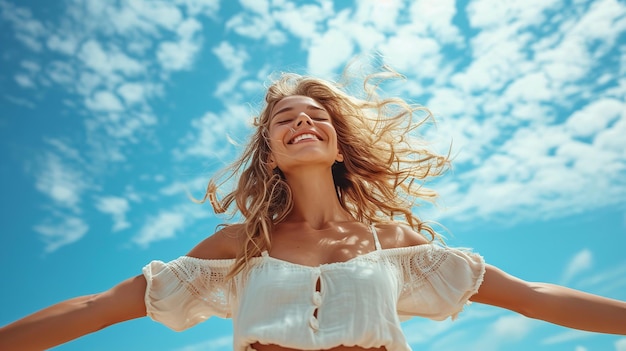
[360, 302]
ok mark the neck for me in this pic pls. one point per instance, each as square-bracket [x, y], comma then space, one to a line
[315, 199]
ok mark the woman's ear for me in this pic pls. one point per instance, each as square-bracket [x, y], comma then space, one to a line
[339, 157]
[271, 163]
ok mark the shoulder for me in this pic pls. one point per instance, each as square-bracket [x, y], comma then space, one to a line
[223, 244]
[394, 235]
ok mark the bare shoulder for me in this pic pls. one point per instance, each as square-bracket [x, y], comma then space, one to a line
[394, 235]
[223, 244]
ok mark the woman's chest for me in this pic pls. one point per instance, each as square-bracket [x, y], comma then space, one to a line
[354, 283]
[349, 302]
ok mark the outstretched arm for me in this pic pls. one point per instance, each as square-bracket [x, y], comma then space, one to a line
[73, 318]
[552, 303]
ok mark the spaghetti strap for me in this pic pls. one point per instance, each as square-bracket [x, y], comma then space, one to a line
[376, 241]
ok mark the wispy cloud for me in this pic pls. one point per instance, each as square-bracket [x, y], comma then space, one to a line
[221, 343]
[179, 55]
[233, 59]
[164, 225]
[60, 231]
[117, 208]
[606, 282]
[211, 135]
[60, 181]
[581, 262]
[567, 336]
[108, 81]
[491, 334]
[505, 330]
[620, 345]
[529, 125]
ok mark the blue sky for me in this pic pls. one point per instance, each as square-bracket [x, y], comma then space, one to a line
[112, 110]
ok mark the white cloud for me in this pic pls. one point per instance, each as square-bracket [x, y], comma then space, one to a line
[529, 88]
[328, 52]
[105, 63]
[595, 117]
[255, 27]
[208, 8]
[512, 328]
[65, 231]
[31, 66]
[220, 343]
[176, 56]
[620, 344]
[64, 149]
[258, 6]
[180, 55]
[548, 165]
[420, 331]
[164, 14]
[233, 59]
[566, 336]
[24, 81]
[304, 21]
[66, 45]
[490, 14]
[193, 186]
[410, 52]
[189, 29]
[116, 207]
[382, 15]
[19, 101]
[61, 72]
[437, 17]
[27, 29]
[581, 262]
[211, 133]
[608, 282]
[62, 183]
[104, 101]
[132, 92]
[509, 329]
[163, 226]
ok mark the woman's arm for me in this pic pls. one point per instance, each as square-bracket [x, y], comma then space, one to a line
[552, 303]
[76, 317]
[73, 318]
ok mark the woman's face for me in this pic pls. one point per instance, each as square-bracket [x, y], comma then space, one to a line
[301, 133]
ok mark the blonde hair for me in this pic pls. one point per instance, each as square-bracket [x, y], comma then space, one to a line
[380, 180]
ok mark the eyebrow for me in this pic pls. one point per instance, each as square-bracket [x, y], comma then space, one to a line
[308, 107]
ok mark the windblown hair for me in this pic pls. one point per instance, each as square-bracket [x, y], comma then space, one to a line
[380, 180]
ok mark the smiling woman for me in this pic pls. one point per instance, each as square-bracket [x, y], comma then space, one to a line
[330, 254]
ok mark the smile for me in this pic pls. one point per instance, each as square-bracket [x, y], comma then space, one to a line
[301, 137]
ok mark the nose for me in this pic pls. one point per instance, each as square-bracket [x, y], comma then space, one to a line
[303, 118]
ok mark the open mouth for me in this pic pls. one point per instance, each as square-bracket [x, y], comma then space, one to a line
[304, 137]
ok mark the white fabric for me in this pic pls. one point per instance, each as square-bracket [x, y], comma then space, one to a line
[360, 302]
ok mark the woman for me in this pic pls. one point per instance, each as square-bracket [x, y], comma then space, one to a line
[329, 255]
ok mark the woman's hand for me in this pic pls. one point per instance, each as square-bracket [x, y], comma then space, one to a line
[73, 318]
[552, 303]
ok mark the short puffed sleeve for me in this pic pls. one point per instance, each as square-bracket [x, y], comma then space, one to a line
[436, 281]
[186, 291]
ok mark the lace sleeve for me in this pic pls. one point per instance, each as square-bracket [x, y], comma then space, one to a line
[186, 291]
[437, 282]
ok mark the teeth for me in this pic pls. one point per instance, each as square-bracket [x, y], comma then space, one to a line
[303, 137]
